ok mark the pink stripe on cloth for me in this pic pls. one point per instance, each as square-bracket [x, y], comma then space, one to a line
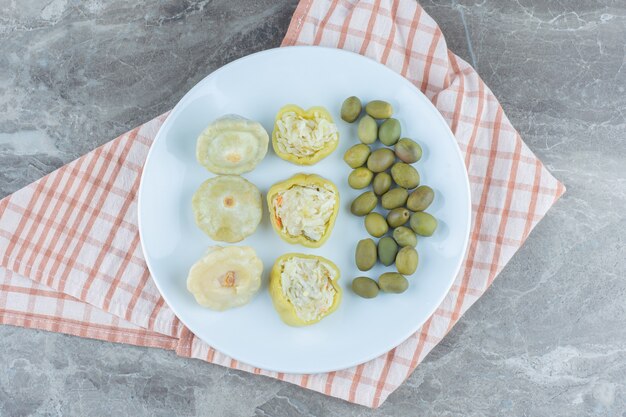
[70, 260]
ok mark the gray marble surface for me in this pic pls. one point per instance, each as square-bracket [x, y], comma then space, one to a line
[548, 338]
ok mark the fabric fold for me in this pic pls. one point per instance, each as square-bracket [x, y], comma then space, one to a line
[70, 255]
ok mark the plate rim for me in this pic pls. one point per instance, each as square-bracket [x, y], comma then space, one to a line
[307, 370]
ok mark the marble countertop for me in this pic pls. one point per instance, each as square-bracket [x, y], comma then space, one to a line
[548, 338]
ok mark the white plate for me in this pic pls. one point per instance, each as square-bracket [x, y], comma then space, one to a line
[256, 87]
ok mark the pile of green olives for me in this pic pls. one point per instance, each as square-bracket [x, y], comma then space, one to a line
[395, 186]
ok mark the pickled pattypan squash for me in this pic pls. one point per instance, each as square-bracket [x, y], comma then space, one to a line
[227, 208]
[225, 277]
[232, 145]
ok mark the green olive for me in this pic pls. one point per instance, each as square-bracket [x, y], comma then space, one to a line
[404, 175]
[381, 183]
[379, 109]
[350, 109]
[393, 282]
[398, 217]
[365, 255]
[423, 223]
[364, 203]
[357, 155]
[420, 198]
[367, 130]
[389, 132]
[406, 260]
[408, 150]
[375, 224]
[405, 236]
[380, 160]
[360, 178]
[365, 287]
[394, 198]
[387, 250]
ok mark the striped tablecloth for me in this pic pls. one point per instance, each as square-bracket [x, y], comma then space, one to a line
[69, 246]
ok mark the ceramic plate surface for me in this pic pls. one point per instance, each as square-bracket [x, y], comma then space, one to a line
[256, 87]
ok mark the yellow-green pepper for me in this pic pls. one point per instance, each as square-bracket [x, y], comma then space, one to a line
[284, 306]
[303, 180]
[310, 114]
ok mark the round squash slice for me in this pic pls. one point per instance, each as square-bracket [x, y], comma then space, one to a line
[232, 145]
[304, 288]
[227, 208]
[304, 137]
[225, 277]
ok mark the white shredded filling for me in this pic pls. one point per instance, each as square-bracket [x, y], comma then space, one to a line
[305, 210]
[304, 137]
[306, 283]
